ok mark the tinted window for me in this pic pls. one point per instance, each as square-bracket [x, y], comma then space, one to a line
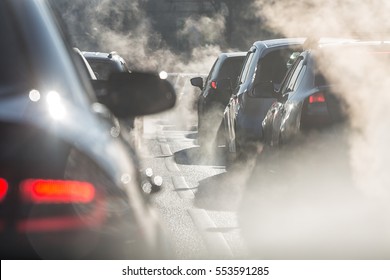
[231, 68]
[273, 66]
[105, 67]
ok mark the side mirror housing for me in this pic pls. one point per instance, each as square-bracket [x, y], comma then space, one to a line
[197, 82]
[135, 94]
[264, 89]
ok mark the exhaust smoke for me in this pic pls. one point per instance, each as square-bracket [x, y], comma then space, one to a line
[327, 198]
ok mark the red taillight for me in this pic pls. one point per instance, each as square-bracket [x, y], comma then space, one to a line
[3, 188]
[57, 191]
[317, 98]
[213, 84]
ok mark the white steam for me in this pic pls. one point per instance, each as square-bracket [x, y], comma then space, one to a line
[329, 199]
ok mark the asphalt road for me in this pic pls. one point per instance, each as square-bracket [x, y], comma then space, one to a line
[199, 199]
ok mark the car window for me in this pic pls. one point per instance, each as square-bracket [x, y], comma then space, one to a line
[231, 68]
[299, 77]
[246, 66]
[104, 68]
[291, 77]
[211, 72]
[273, 66]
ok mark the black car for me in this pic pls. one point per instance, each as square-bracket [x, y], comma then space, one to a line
[69, 188]
[216, 92]
[103, 64]
[265, 65]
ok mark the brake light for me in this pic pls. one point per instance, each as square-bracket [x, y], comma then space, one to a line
[57, 191]
[318, 97]
[213, 84]
[3, 188]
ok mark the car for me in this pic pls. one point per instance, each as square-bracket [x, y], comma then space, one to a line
[216, 91]
[306, 100]
[265, 65]
[69, 188]
[103, 64]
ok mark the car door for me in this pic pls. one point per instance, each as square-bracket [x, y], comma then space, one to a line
[232, 107]
[280, 110]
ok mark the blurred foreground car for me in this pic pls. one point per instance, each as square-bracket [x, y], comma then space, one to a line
[68, 186]
[216, 92]
[265, 65]
[103, 64]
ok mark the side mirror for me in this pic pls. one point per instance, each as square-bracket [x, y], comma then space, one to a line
[135, 94]
[263, 89]
[197, 82]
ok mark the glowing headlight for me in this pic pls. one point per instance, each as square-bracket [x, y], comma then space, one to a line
[34, 95]
[55, 105]
[163, 75]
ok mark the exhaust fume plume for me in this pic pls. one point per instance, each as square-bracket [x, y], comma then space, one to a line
[329, 197]
[123, 26]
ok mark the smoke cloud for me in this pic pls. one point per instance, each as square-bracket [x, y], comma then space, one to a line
[329, 196]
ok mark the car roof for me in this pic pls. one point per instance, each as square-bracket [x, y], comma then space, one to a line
[355, 43]
[278, 42]
[101, 55]
[233, 54]
[273, 43]
[347, 44]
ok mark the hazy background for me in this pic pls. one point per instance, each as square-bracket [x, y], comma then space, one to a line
[171, 34]
[331, 200]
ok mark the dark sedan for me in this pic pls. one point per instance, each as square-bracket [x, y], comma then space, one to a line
[103, 64]
[69, 188]
[215, 95]
[264, 68]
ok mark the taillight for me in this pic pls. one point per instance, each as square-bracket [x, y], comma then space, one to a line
[318, 97]
[213, 84]
[57, 191]
[3, 188]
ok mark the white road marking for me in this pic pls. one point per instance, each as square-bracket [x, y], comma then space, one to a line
[165, 149]
[215, 241]
[182, 188]
[171, 164]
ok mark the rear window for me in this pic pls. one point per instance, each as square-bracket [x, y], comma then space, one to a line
[231, 68]
[103, 68]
